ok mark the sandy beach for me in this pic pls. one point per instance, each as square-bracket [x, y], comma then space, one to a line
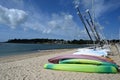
[30, 67]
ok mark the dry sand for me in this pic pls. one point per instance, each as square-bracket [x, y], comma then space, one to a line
[30, 67]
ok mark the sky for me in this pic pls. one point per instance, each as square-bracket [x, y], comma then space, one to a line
[57, 19]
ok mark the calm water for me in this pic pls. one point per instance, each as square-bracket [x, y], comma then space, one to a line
[7, 49]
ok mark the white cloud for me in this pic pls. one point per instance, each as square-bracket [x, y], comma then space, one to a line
[12, 17]
[62, 25]
[76, 3]
[99, 7]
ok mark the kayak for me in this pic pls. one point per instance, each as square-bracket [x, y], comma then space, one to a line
[86, 61]
[62, 57]
[82, 68]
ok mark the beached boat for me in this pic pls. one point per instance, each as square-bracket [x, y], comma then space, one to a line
[71, 56]
[91, 52]
[82, 68]
[86, 61]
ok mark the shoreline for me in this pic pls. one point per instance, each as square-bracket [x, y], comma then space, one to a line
[32, 54]
[30, 67]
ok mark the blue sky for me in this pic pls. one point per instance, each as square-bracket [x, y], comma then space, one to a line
[56, 19]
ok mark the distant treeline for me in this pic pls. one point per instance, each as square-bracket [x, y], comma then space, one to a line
[56, 41]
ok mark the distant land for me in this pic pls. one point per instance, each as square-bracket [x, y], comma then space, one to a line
[56, 41]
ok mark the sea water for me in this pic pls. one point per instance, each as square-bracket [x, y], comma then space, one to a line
[8, 49]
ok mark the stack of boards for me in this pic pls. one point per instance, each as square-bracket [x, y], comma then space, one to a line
[82, 63]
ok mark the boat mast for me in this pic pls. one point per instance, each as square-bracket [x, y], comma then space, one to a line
[82, 19]
[91, 28]
[94, 27]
